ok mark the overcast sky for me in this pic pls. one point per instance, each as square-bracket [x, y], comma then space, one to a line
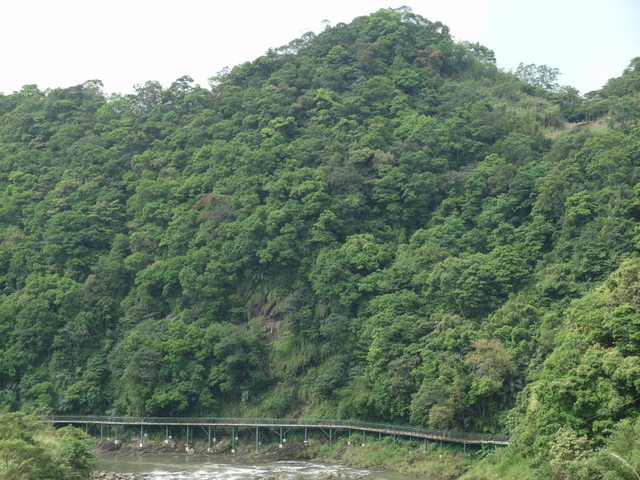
[61, 43]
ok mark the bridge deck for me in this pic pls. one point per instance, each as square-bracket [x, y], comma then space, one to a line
[444, 435]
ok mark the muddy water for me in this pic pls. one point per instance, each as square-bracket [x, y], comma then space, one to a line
[185, 467]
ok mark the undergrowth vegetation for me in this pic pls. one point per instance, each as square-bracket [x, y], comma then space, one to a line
[29, 450]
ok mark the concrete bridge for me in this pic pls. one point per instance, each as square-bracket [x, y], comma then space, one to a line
[231, 426]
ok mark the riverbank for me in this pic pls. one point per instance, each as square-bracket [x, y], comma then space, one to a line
[402, 460]
[102, 475]
[407, 458]
[219, 449]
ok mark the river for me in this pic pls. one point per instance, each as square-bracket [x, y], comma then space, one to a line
[187, 467]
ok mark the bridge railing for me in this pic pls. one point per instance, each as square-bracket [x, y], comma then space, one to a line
[408, 430]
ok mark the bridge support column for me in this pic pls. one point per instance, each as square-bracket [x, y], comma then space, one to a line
[331, 434]
[363, 437]
[281, 439]
[189, 435]
[233, 439]
[257, 439]
[306, 436]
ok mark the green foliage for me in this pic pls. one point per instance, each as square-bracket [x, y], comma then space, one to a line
[590, 381]
[31, 451]
[501, 464]
[538, 76]
[371, 222]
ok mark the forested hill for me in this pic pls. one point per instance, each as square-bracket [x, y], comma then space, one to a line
[374, 222]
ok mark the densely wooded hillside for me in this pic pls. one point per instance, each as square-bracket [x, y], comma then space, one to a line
[374, 222]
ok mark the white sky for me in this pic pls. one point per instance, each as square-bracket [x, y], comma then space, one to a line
[61, 43]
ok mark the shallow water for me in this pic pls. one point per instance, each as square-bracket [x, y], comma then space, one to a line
[185, 467]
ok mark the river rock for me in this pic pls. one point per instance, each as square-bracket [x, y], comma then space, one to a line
[341, 476]
[102, 475]
[323, 476]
